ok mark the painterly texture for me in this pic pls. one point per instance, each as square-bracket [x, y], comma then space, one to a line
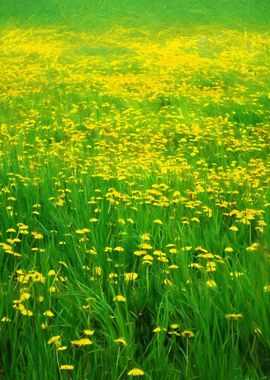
[134, 201]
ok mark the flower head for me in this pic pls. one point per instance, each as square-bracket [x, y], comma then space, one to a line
[135, 372]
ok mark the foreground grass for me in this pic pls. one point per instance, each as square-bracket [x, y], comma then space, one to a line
[134, 204]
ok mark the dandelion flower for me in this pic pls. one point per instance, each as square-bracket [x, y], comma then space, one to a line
[68, 367]
[135, 372]
[82, 342]
[234, 317]
[62, 348]
[130, 276]
[54, 339]
[211, 284]
[88, 332]
[48, 313]
[121, 341]
[187, 334]
[119, 298]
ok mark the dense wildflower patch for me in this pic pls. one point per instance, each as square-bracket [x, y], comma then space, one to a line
[134, 203]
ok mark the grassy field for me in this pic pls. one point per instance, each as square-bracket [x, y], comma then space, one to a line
[134, 190]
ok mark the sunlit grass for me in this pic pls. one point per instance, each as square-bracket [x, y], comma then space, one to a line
[134, 203]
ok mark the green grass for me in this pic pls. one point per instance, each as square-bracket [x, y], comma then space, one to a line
[134, 190]
[155, 14]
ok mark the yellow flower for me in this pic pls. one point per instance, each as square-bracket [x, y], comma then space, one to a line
[119, 298]
[175, 326]
[211, 266]
[159, 329]
[5, 319]
[82, 342]
[234, 317]
[211, 284]
[37, 235]
[206, 255]
[135, 372]
[167, 282]
[48, 313]
[10, 230]
[234, 228]
[121, 341]
[118, 249]
[83, 231]
[266, 288]
[40, 298]
[88, 332]
[62, 348]
[24, 296]
[54, 339]
[147, 259]
[187, 334]
[146, 237]
[68, 367]
[158, 221]
[130, 276]
[145, 246]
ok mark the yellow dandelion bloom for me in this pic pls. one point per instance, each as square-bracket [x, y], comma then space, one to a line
[82, 231]
[62, 348]
[234, 317]
[173, 266]
[159, 329]
[234, 228]
[119, 298]
[266, 288]
[121, 341]
[211, 284]
[130, 276]
[206, 255]
[211, 266]
[82, 342]
[187, 334]
[146, 237]
[145, 246]
[48, 313]
[135, 372]
[5, 319]
[51, 272]
[175, 326]
[54, 339]
[88, 332]
[118, 249]
[139, 253]
[10, 230]
[68, 367]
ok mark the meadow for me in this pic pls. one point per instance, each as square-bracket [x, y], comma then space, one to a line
[134, 190]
